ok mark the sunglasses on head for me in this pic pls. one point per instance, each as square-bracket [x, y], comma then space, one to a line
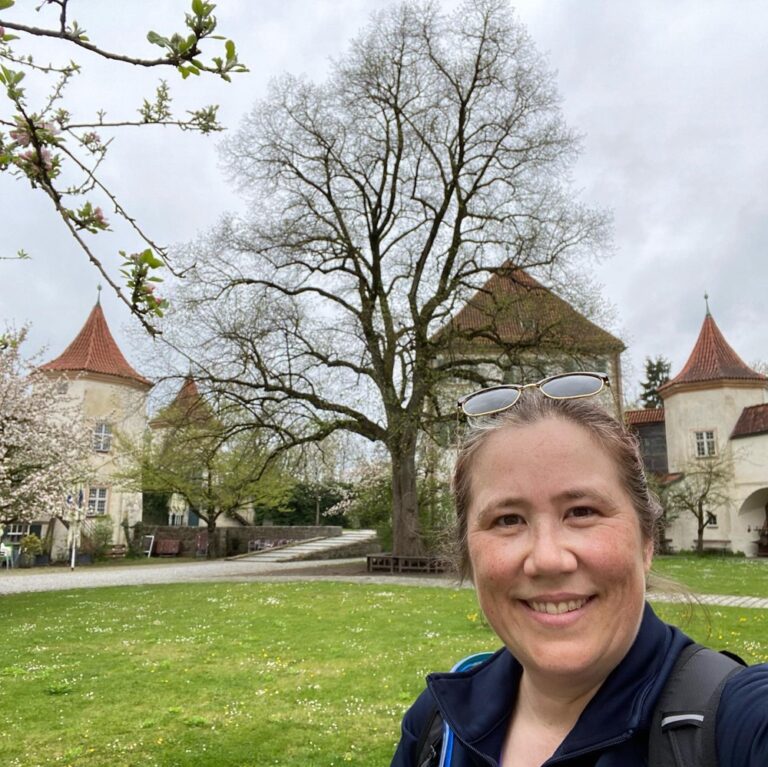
[564, 386]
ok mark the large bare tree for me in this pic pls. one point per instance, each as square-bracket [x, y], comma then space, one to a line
[433, 156]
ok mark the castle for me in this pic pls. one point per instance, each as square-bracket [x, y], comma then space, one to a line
[715, 408]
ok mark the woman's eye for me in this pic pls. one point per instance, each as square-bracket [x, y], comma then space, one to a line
[580, 512]
[509, 520]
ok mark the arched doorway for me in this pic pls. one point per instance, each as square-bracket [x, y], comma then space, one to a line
[753, 520]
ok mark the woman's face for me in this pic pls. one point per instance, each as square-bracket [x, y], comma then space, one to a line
[558, 559]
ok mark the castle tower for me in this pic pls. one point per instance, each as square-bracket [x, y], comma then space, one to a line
[113, 397]
[703, 402]
[705, 408]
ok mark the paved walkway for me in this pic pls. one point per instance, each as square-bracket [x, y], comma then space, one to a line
[251, 569]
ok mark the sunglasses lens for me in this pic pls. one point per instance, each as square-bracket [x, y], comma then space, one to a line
[490, 401]
[576, 385]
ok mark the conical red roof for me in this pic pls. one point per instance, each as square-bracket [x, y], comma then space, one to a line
[187, 406]
[713, 359]
[94, 350]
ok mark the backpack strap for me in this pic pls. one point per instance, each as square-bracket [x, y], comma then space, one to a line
[428, 747]
[683, 728]
[435, 746]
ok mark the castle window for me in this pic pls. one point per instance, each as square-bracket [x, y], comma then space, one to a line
[97, 501]
[705, 444]
[102, 437]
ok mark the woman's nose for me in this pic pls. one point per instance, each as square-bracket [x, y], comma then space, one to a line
[549, 552]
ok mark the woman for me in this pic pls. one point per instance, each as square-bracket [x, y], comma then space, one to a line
[556, 530]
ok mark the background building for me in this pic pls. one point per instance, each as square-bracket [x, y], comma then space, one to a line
[113, 399]
[715, 411]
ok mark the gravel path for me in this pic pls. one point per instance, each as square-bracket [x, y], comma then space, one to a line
[250, 569]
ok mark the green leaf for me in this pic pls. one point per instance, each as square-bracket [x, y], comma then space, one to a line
[149, 258]
[198, 7]
[230, 48]
[5, 4]
[156, 39]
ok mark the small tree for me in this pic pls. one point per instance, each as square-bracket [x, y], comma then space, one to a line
[203, 457]
[703, 491]
[44, 444]
[656, 375]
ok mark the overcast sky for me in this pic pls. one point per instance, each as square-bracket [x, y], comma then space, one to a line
[670, 98]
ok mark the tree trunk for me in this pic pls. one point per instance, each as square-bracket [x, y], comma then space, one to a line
[213, 541]
[406, 535]
[700, 529]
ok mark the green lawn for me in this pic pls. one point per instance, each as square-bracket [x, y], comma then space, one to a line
[716, 575]
[299, 675]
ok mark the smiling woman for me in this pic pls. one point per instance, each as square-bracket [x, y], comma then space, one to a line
[556, 529]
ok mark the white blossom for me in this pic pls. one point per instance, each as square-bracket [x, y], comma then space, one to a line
[44, 442]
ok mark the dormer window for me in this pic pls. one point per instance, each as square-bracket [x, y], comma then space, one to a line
[102, 437]
[705, 444]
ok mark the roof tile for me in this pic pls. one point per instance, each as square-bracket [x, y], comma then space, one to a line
[94, 350]
[513, 307]
[642, 417]
[753, 420]
[713, 359]
[188, 406]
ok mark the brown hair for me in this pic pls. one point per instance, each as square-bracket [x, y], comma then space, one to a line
[532, 407]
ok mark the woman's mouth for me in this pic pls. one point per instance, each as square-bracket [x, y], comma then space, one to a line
[557, 608]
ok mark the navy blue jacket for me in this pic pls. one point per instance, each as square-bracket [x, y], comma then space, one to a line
[612, 731]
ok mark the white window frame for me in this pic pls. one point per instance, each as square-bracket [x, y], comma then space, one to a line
[14, 532]
[705, 443]
[102, 437]
[98, 498]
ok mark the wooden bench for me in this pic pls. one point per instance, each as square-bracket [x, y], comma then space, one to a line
[715, 544]
[118, 551]
[388, 563]
[167, 547]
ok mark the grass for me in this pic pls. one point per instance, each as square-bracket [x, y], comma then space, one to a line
[716, 574]
[311, 674]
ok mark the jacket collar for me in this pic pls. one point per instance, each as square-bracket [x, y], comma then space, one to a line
[477, 703]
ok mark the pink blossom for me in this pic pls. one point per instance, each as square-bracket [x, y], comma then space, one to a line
[31, 156]
[20, 136]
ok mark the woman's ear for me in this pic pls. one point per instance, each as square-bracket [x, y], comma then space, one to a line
[648, 555]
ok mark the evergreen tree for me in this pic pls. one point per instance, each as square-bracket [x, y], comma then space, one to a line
[656, 375]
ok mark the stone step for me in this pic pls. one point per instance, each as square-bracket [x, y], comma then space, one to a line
[299, 551]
